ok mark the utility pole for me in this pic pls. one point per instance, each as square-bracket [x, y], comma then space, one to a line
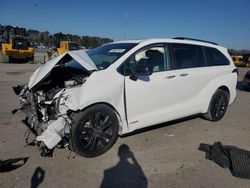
[125, 20]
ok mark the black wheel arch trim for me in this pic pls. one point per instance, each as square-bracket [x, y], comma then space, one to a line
[107, 104]
[225, 88]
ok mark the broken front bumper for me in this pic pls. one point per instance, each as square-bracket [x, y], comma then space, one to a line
[49, 132]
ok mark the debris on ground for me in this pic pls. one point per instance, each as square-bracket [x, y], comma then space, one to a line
[236, 159]
[12, 164]
[169, 135]
[37, 177]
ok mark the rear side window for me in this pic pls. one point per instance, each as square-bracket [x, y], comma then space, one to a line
[187, 56]
[215, 58]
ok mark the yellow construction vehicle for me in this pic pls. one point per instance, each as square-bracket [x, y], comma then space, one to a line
[246, 59]
[66, 46]
[62, 44]
[248, 62]
[18, 49]
[15, 46]
[238, 61]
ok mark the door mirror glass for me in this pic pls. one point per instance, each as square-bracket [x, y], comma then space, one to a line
[141, 70]
[146, 61]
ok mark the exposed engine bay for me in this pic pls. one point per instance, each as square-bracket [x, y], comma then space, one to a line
[68, 73]
[43, 104]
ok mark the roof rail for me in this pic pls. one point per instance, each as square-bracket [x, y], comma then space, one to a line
[184, 38]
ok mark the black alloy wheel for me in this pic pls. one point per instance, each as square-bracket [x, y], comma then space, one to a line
[95, 130]
[218, 106]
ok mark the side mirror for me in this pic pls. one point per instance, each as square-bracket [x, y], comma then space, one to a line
[141, 70]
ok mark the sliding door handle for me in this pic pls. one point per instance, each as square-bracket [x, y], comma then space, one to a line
[184, 74]
[170, 76]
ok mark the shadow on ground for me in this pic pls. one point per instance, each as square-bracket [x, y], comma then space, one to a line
[127, 172]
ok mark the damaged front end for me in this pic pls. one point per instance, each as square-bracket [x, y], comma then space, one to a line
[42, 99]
[44, 118]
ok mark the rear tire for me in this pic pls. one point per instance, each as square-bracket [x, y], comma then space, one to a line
[94, 130]
[218, 106]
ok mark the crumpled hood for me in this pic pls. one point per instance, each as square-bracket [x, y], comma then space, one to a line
[79, 55]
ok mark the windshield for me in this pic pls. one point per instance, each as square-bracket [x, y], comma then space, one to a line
[74, 46]
[105, 55]
[20, 43]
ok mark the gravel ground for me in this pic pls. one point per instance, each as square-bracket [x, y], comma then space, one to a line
[165, 156]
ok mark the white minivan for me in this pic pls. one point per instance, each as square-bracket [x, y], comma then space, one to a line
[85, 100]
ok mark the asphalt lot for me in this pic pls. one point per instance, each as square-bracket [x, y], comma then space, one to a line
[166, 156]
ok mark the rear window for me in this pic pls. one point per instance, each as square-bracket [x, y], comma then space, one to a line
[187, 56]
[215, 58]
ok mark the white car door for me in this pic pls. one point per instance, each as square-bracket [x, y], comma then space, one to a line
[193, 76]
[150, 98]
[196, 74]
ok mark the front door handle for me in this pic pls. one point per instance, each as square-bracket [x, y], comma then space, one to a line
[184, 74]
[171, 76]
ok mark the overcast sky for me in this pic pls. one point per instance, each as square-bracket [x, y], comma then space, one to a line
[226, 22]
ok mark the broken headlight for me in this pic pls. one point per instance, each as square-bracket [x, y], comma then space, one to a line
[61, 108]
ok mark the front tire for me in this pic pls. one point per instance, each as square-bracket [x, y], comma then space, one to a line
[94, 130]
[218, 106]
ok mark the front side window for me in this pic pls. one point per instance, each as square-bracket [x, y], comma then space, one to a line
[154, 58]
[214, 57]
[106, 55]
[187, 56]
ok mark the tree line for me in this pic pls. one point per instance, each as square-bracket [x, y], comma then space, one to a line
[48, 39]
[238, 52]
[45, 38]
